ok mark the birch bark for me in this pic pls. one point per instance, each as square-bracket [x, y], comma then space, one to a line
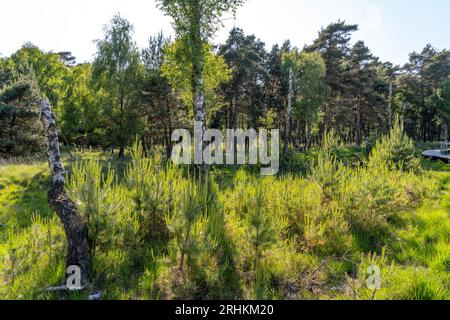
[289, 111]
[74, 226]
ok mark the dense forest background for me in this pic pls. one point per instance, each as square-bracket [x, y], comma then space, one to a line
[127, 92]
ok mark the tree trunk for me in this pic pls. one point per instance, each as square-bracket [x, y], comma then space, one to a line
[289, 112]
[121, 142]
[122, 152]
[297, 138]
[390, 115]
[169, 134]
[198, 93]
[308, 136]
[358, 125]
[74, 226]
[144, 146]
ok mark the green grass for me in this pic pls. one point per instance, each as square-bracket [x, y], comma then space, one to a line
[23, 190]
[399, 221]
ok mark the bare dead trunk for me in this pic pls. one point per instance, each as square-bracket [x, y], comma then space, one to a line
[74, 226]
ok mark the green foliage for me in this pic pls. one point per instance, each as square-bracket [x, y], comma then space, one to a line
[19, 117]
[245, 55]
[32, 259]
[195, 22]
[187, 222]
[80, 117]
[326, 169]
[296, 162]
[395, 150]
[177, 68]
[309, 89]
[152, 190]
[47, 68]
[264, 229]
[442, 100]
[203, 15]
[310, 85]
[160, 234]
[115, 74]
[421, 97]
[90, 189]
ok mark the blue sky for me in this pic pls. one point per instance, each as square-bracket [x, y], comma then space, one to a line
[391, 28]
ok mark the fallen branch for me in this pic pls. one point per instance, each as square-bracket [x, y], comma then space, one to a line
[62, 288]
[92, 297]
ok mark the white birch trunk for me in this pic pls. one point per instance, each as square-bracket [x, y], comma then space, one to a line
[74, 226]
[289, 111]
[390, 105]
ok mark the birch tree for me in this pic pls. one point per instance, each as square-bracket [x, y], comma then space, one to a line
[196, 21]
[312, 91]
[306, 91]
[290, 61]
[115, 74]
[289, 110]
[75, 228]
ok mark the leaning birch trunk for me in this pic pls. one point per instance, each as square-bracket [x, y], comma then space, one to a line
[289, 112]
[74, 226]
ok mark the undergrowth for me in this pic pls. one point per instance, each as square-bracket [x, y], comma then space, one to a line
[158, 232]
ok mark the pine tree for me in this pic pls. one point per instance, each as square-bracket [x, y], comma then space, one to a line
[19, 118]
[333, 44]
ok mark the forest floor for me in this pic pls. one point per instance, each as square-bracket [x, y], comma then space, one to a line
[417, 264]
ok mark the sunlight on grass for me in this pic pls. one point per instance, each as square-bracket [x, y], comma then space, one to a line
[311, 237]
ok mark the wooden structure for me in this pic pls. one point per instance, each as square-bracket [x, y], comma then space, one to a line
[438, 155]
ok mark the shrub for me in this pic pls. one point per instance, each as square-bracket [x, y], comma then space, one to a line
[152, 189]
[396, 150]
[105, 206]
[326, 170]
[295, 162]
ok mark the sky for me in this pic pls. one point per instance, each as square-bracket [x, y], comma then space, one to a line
[391, 28]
